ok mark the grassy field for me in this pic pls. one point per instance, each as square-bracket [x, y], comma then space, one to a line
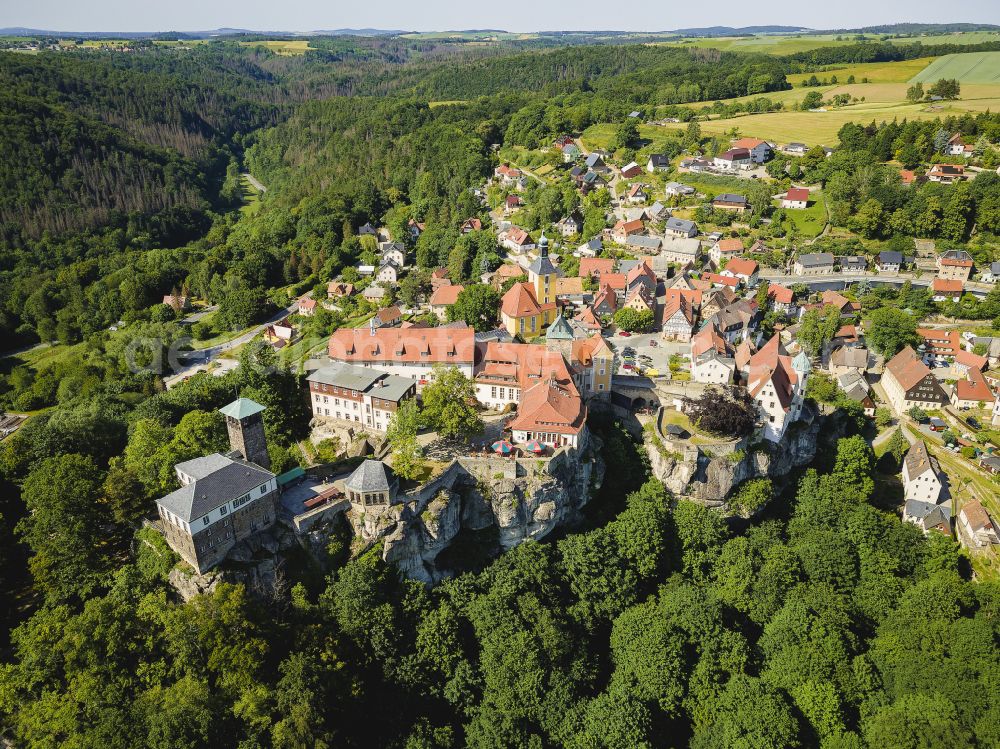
[282, 47]
[810, 221]
[790, 44]
[251, 197]
[969, 67]
[875, 72]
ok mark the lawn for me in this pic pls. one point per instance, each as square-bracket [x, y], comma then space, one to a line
[251, 197]
[810, 221]
[600, 135]
[968, 67]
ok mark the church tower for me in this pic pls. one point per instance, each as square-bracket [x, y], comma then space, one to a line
[542, 274]
[246, 431]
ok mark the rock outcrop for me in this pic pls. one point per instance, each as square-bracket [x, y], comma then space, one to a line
[708, 474]
[523, 499]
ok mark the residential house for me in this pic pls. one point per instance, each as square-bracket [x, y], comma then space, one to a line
[505, 273]
[518, 240]
[595, 162]
[593, 364]
[367, 230]
[733, 159]
[589, 181]
[728, 201]
[530, 306]
[570, 153]
[623, 229]
[848, 360]
[737, 320]
[717, 279]
[908, 382]
[606, 301]
[570, 225]
[795, 149]
[657, 162]
[955, 265]
[946, 289]
[966, 361]
[595, 267]
[279, 334]
[781, 298]
[958, 147]
[470, 225]
[591, 248]
[442, 298]
[976, 528]
[712, 357]
[972, 392]
[179, 302]
[696, 165]
[587, 318]
[388, 272]
[940, 346]
[338, 289]
[387, 317]
[991, 274]
[890, 261]
[306, 306]
[760, 150]
[631, 170]
[853, 263]
[552, 413]
[394, 252]
[223, 500]
[777, 384]
[680, 227]
[678, 190]
[744, 270]
[512, 204]
[715, 299]
[725, 250]
[440, 277]
[374, 293]
[813, 264]
[637, 193]
[642, 243]
[507, 174]
[796, 197]
[909, 177]
[946, 174]
[857, 389]
[415, 228]
[361, 396]
[680, 312]
[407, 352]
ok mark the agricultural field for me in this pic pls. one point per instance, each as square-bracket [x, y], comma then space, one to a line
[876, 72]
[285, 47]
[790, 44]
[969, 67]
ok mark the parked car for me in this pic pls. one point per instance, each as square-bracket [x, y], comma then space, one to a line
[626, 365]
[973, 422]
[624, 334]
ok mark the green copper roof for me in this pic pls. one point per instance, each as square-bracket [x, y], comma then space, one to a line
[560, 330]
[801, 363]
[241, 408]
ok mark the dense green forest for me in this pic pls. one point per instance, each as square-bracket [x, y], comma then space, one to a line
[826, 622]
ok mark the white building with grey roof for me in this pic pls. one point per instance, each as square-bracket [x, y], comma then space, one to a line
[223, 499]
[358, 396]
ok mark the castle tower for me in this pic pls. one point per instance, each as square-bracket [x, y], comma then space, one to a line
[246, 430]
[542, 274]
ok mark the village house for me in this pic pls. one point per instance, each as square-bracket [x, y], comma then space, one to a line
[890, 261]
[530, 306]
[728, 201]
[595, 162]
[716, 299]
[306, 306]
[657, 162]
[955, 265]
[718, 279]
[781, 298]
[733, 159]
[279, 334]
[680, 250]
[439, 277]
[442, 298]
[507, 174]
[760, 150]
[631, 170]
[795, 149]
[976, 528]
[407, 352]
[946, 289]
[570, 153]
[679, 314]
[338, 289]
[605, 302]
[388, 273]
[909, 177]
[374, 293]
[908, 382]
[813, 264]
[367, 231]
[958, 147]
[743, 270]
[921, 475]
[552, 413]
[623, 229]
[736, 321]
[593, 364]
[680, 227]
[387, 317]
[637, 193]
[570, 225]
[595, 267]
[725, 249]
[857, 389]
[712, 359]
[696, 165]
[470, 225]
[178, 302]
[946, 174]
[852, 263]
[641, 243]
[972, 392]
[223, 499]
[512, 204]
[357, 396]
[991, 274]
[848, 359]
[796, 198]
[777, 384]
[966, 361]
[678, 190]
[518, 240]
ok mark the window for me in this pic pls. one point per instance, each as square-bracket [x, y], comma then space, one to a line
[204, 520]
[223, 510]
[263, 489]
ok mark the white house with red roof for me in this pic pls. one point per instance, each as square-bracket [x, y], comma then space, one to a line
[442, 298]
[760, 150]
[306, 306]
[744, 270]
[777, 384]
[725, 249]
[733, 159]
[796, 197]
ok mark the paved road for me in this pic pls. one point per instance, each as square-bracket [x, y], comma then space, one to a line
[201, 358]
[897, 279]
[200, 314]
[253, 181]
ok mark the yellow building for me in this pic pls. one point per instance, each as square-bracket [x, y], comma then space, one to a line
[529, 307]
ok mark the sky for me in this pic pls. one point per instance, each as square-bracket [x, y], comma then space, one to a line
[510, 15]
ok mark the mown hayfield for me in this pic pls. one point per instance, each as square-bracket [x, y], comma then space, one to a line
[876, 72]
[286, 47]
[967, 67]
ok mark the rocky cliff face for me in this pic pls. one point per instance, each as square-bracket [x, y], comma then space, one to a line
[709, 474]
[524, 499]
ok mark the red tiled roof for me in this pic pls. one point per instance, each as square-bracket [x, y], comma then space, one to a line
[797, 193]
[947, 285]
[406, 345]
[780, 294]
[585, 349]
[974, 388]
[549, 407]
[969, 359]
[748, 143]
[446, 295]
[520, 301]
[907, 368]
[590, 266]
[732, 244]
[741, 266]
[628, 227]
[715, 278]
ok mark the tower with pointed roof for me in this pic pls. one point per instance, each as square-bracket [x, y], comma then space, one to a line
[246, 431]
[542, 274]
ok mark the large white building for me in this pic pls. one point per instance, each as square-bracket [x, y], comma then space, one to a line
[358, 396]
[777, 383]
